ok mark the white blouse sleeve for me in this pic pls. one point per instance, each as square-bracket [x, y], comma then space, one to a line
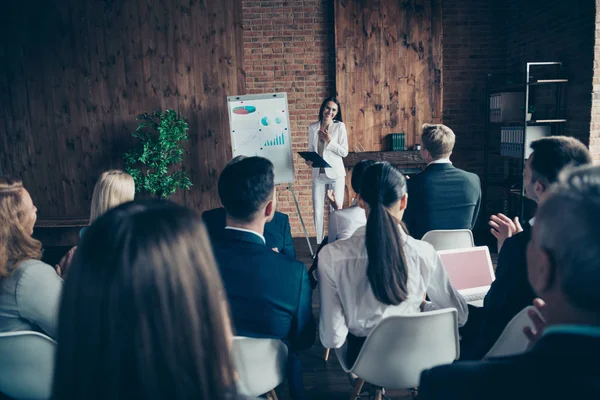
[332, 323]
[441, 292]
[341, 146]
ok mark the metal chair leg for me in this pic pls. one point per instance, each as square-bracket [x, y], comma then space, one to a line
[327, 354]
[272, 395]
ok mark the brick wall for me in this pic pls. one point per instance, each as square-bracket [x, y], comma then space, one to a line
[547, 30]
[472, 47]
[289, 47]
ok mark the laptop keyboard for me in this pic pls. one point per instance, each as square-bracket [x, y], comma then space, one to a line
[474, 296]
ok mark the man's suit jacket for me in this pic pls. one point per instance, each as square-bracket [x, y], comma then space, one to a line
[269, 293]
[509, 294]
[442, 197]
[277, 232]
[562, 365]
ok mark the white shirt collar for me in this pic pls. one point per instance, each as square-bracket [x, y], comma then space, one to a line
[532, 221]
[441, 161]
[247, 231]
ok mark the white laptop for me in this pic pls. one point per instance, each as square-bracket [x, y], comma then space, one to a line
[470, 271]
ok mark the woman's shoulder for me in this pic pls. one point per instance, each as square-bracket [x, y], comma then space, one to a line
[420, 249]
[315, 125]
[32, 267]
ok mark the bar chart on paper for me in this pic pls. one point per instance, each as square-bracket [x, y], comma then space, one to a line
[259, 126]
[278, 141]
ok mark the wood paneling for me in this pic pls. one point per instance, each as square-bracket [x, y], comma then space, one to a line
[74, 75]
[388, 72]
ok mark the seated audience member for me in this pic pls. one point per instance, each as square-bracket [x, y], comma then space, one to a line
[344, 222]
[29, 289]
[442, 196]
[511, 292]
[269, 293]
[563, 265]
[143, 313]
[380, 271]
[113, 188]
[278, 234]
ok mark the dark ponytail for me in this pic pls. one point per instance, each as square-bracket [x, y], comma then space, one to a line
[383, 185]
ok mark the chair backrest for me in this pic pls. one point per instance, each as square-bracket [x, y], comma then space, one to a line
[449, 239]
[260, 364]
[513, 340]
[401, 347]
[26, 365]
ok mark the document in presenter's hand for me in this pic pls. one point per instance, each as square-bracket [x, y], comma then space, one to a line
[316, 159]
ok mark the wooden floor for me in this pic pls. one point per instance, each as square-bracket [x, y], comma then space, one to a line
[322, 379]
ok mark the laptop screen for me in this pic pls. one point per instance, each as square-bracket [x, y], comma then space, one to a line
[468, 268]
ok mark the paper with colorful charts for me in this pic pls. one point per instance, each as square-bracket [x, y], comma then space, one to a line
[260, 126]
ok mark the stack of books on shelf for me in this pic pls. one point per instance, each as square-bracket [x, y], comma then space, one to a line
[397, 141]
[511, 141]
[507, 106]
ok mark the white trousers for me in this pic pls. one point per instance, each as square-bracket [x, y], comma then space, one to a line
[320, 185]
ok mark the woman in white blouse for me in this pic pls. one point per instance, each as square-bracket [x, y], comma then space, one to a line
[380, 271]
[328, 137]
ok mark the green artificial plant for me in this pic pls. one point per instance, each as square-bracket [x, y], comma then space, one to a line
[152, 164]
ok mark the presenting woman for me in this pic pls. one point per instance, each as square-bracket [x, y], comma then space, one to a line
[328, 137]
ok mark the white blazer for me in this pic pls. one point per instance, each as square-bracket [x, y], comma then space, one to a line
[335, 150]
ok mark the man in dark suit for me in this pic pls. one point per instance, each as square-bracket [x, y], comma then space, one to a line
[563, 261]
[269, 293]
[442, 196]
[511, 292]
[277, 232]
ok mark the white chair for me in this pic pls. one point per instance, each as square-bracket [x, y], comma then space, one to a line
[26, 365]
[260, 364]
[512, 340]
[449, 239]
[400, 347]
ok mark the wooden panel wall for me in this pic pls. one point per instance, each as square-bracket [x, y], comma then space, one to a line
[74, 74]
[388, 73]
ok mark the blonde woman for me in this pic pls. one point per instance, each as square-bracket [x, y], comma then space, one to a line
[29, 289]
[114, 187]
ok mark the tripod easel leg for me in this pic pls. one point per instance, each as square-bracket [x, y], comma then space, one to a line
[301, 220]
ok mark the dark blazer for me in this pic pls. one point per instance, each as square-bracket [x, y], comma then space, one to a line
[269, 293]
[562, 365]
[442, 197]
[509, 294]
[277, 232]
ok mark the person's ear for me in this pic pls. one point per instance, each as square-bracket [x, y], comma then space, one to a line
[542, 272]
[539, 188]
[403, 202]
[270, 209]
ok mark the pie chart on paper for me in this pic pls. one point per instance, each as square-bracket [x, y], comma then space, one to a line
[243, 110]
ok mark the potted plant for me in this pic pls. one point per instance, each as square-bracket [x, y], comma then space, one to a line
[155, 164]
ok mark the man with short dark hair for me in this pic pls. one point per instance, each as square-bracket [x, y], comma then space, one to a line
[345, 221]
[277, 233]
[269, 293]
[563, 268]
[442, 196]
[511, 292]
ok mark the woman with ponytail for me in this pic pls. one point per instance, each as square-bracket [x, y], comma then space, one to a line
[380, 271]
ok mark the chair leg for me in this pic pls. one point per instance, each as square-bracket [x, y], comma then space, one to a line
[414, 392]
[327, 354]
[272, 395]
[378, 394]
[358, 385]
